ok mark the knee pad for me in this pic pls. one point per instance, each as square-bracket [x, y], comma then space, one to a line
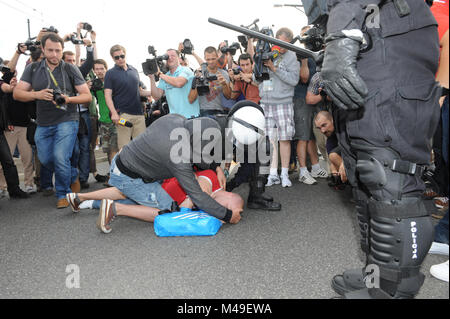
[383, 172]
[401, 233]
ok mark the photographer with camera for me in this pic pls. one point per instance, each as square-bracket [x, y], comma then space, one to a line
[176, 85]
[243, 80]
[123, 96]
[54, 85]
[19, 119]
[277, 101]
[7, 84]
[214, 84]
[107, 130]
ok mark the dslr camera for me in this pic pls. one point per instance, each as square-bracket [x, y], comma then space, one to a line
[86, 26]
[97, 85]
[59, 99]
[313, 39]
[150, 66]
[230, 49]
[7, 74]
[74, 40]
[188, 47]
[201, 82]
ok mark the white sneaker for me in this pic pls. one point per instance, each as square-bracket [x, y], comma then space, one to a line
[285, 181]
[321, 173]
[273, 180]
[87, 204]
[30, 189]
[440, 271]
[438, 249]
[307, 179]
[4, 193]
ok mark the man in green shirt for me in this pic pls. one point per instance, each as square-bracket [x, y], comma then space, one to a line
[107, 131]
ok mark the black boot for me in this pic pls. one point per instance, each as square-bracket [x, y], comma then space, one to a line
[257, 199]
[18, 194]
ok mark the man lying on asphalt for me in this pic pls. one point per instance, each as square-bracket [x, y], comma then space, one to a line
[155, 156]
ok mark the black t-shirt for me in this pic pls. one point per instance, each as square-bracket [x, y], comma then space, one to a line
[37, 75]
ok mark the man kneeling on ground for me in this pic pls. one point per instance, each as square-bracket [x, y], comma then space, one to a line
[324, 122]
[152, 157]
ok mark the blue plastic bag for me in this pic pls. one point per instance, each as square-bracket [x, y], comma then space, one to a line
[186, 223]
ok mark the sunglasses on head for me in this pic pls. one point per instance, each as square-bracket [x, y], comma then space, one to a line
[117, 57]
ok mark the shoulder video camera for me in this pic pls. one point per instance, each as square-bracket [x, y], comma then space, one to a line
[150, 66]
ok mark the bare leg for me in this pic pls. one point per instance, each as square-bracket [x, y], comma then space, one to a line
[312, 152]
[285, 153]
[274, 162]
[301, 152]
[107, 193]
[335, 163]
[144, 213]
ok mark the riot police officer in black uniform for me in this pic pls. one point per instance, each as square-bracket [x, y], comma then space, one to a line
[379, 69]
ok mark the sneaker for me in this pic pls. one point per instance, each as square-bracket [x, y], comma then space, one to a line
[440, 213]
[285, 181]
[307, 179]
[74, 202]
[84, 185]
[48, 192]
[62, 203]
[101, 178]
[440, 271]
[87, 204]
[321, 173]
[4, 193]
[30, 189]
[106, 216]
[441, 202]
[429, 194]
[273, 180]
[438, 249]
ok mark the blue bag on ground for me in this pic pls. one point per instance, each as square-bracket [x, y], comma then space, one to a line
[186, 223]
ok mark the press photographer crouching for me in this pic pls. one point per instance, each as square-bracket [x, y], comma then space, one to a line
[53, 84]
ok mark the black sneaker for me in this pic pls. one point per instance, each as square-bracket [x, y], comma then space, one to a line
[101, 178]
[18, 194]
[84, 185]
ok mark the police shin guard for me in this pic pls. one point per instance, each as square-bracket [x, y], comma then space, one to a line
[353, 279]
[401, 233]
[257, 199]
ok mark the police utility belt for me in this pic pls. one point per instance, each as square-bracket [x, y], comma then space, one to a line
[124, 170]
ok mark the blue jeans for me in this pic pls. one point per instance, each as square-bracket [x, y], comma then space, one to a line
[146, 194]
[55, 145]
[84, 159]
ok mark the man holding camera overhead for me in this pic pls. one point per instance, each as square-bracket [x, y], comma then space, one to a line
[53, 84]
[176, 84]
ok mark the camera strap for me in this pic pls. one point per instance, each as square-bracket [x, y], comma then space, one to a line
[55, 83]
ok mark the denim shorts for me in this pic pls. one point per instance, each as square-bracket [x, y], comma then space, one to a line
[146, 194]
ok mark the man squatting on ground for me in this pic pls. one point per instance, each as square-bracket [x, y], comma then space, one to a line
[136, 171]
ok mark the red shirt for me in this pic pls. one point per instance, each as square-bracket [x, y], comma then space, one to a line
[250, 92]
[440, 12]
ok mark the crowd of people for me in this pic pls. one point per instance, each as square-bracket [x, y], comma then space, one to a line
[62, 104]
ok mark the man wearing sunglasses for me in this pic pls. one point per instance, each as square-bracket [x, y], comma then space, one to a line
[122, 95]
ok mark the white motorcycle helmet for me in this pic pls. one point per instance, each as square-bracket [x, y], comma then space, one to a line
[247, 123]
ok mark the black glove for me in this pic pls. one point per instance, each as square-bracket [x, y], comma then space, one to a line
[342, 82]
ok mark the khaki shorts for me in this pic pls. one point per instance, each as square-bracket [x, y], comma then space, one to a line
[125, 134]
[108, 134]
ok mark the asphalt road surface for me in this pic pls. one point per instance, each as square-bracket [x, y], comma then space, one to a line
[291, 254]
